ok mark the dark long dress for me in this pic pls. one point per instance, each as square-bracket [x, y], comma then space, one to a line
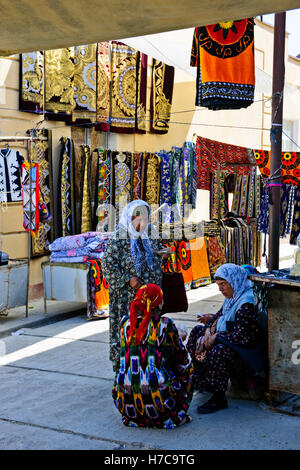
[221, 362]
[154, 385]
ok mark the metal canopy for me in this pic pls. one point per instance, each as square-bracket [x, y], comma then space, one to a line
[29, 25]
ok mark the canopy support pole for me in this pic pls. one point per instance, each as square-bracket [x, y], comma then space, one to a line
[276, 140]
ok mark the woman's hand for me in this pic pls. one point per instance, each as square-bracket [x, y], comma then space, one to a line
[209, 339]
[135, 283]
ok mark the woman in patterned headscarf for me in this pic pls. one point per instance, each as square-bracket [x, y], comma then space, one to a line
[225, 343]
[153, 387]
[130, 260]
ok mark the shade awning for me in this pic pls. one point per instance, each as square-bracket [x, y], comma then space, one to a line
[29, 25]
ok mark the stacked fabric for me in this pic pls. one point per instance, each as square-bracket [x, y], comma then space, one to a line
[79, 248]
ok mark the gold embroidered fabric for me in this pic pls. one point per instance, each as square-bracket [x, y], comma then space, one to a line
[151, 178]
[33, 78]
[86, 207]
[123, 92]
[103, 82]
[85, 82]
[160, 102]
[59, 80]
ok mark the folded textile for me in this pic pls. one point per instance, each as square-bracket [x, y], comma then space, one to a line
[69, 259]
[78, 241]
[77, 253]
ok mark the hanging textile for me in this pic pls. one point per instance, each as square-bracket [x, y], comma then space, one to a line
[290, 161]
[103, 86]
[123, 87]
[161, 96]
[30, 196]
[32, 82]
[98, 304]
[10, 175]
[224, 56]
[137, 175]
[287, 193]
[200, 266]
[66, 189]
[86, 204]
[218, 197]
[59, 84]
[141, 93]
[246, 195]
[85, 81]
[41, 153]
[216, 254]
[212, 155]
[122, 164]
[185, 183]
[183, 253]
[189, 149]
[104, 189]
[296, 217]
[165, 195]
[151, 178]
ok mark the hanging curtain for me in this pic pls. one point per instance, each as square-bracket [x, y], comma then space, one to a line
[41, 153]
[103, 86]
[32, 82]
[30, 196]
[104, 187]
[161, 96]
[66, 189]
[224, 56]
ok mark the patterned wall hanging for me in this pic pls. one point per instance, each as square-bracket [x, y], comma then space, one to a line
[290, 171]
[41, 153]
[224, 56]
[30, 196]
[161, 96]
[32, 82]
[66, 222]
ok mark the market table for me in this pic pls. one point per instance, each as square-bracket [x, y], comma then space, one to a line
[283, 329]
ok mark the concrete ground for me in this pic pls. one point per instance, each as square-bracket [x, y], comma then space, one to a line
[56, 380]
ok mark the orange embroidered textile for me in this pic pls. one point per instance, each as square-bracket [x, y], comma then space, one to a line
[290, 170]
[200, 266]
[224, 56]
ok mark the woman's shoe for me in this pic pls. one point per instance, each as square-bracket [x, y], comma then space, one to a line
[212, 405]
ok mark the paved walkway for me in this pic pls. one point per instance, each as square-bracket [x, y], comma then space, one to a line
[56, 380]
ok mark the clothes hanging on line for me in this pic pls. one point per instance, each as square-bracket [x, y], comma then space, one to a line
[224, 56]
[290, 169]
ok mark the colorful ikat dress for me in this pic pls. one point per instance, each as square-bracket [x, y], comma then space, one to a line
[154, 385]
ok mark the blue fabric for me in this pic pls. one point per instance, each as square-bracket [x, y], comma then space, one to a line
[126, 224]
[242, 292]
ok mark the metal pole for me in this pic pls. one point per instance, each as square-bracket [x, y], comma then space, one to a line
[276, 139]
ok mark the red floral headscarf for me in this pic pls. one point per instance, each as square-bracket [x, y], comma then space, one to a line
[147, 297]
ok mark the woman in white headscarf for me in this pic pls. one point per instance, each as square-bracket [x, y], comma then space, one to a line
[227, 343]
[130, 260]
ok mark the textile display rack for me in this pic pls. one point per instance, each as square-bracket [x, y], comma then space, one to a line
[15, 269]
